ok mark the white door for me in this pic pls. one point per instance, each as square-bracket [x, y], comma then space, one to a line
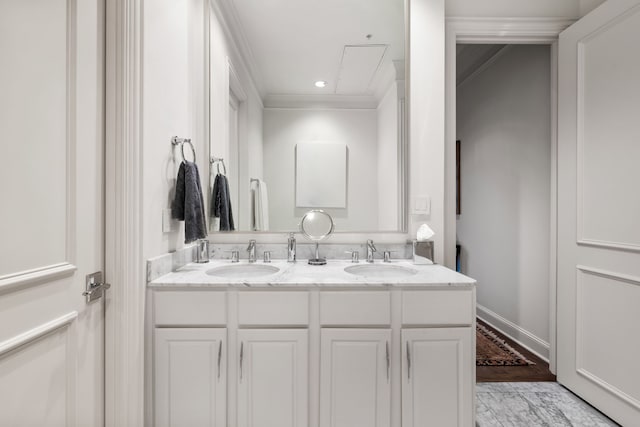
[51, 213]
[599, 210]
[190, 377]
[355, 383]
[437, 377]
[273, 378]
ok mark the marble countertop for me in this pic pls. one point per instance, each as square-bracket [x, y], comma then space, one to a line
[301, 274]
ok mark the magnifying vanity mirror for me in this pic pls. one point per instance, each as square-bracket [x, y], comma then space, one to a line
[317, 225]
[307, 111]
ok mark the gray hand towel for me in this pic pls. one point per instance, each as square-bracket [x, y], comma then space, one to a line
[221, 203]
[188, 204]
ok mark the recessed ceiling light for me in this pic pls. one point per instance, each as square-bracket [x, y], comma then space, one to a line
[320, 83]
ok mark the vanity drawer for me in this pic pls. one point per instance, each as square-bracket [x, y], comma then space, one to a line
[355, 308]
[273, 308]
[190, 308]
[437, 307]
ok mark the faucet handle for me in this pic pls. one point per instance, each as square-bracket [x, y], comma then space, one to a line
[387, 256]
[355, 256]
[371, 245]
[235, 255]
[267, 256]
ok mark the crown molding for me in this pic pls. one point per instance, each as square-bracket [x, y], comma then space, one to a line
[516, 30]
[361, 102]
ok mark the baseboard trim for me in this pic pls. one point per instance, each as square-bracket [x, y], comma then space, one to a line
[526, 339]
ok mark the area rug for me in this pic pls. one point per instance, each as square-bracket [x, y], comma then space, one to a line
[493, 351]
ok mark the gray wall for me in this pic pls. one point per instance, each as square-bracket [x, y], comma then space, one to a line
[503, 121]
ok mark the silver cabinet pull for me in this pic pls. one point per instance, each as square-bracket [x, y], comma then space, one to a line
[408, 362]
[388, 361]
[241, 358]
[219, 357]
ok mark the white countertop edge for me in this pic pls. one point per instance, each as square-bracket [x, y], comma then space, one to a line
[301, 275]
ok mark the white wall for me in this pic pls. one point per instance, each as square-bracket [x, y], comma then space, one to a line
[224, 52]
[174, 103]
[504, 126]
[426, 122]
[388, 160]
[255, 161]
[284, 128]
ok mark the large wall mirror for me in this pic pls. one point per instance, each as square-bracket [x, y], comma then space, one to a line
[307, 111]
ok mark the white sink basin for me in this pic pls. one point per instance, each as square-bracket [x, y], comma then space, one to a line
[380, 271]
[242, 271]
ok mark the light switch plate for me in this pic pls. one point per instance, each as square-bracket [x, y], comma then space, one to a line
[422, 205]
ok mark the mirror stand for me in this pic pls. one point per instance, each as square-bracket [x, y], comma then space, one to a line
[317, 260]
[316, 225]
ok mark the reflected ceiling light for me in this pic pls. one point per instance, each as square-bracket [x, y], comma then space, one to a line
[320, 83]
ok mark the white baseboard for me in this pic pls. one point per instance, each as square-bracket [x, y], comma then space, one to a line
[536, 345]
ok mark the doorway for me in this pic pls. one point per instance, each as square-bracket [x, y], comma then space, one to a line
[503, 223]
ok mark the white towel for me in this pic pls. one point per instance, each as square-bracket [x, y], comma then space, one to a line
[259, 206]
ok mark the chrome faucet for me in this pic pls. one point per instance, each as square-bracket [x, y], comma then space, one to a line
[291, 248]
[252, 250]
[370, 250]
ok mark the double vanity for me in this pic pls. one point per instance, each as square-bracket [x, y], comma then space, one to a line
[283, 344]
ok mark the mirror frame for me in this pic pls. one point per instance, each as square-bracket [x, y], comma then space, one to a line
[223, 13]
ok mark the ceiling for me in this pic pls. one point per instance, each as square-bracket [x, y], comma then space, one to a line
[294, 43]
[470, 57]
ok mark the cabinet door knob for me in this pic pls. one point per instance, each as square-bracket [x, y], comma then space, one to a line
[408, 362]
[241, 358]
[219, 357]
[388, 361]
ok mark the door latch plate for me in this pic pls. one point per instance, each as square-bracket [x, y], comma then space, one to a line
[95, 287]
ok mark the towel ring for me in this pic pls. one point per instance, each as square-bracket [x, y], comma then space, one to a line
[175, 141]
[193, 150]
[219, 160]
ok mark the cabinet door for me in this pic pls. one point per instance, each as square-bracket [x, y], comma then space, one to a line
[273, 378]
[437, 377]
[190, 377]
[355, 369]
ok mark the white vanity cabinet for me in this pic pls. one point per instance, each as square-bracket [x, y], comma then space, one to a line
[437, 378]
[190, 377]
[313, 356]
[355, 377]
[273, 378]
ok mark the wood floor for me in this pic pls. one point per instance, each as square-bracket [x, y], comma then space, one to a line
[538, 372]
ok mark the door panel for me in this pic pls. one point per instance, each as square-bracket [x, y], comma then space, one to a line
[51, 218]
[598, 209]
[437, 377]
[273, 378]
[31, 371]
[355, 384]
[33, 118]
[190, 377]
